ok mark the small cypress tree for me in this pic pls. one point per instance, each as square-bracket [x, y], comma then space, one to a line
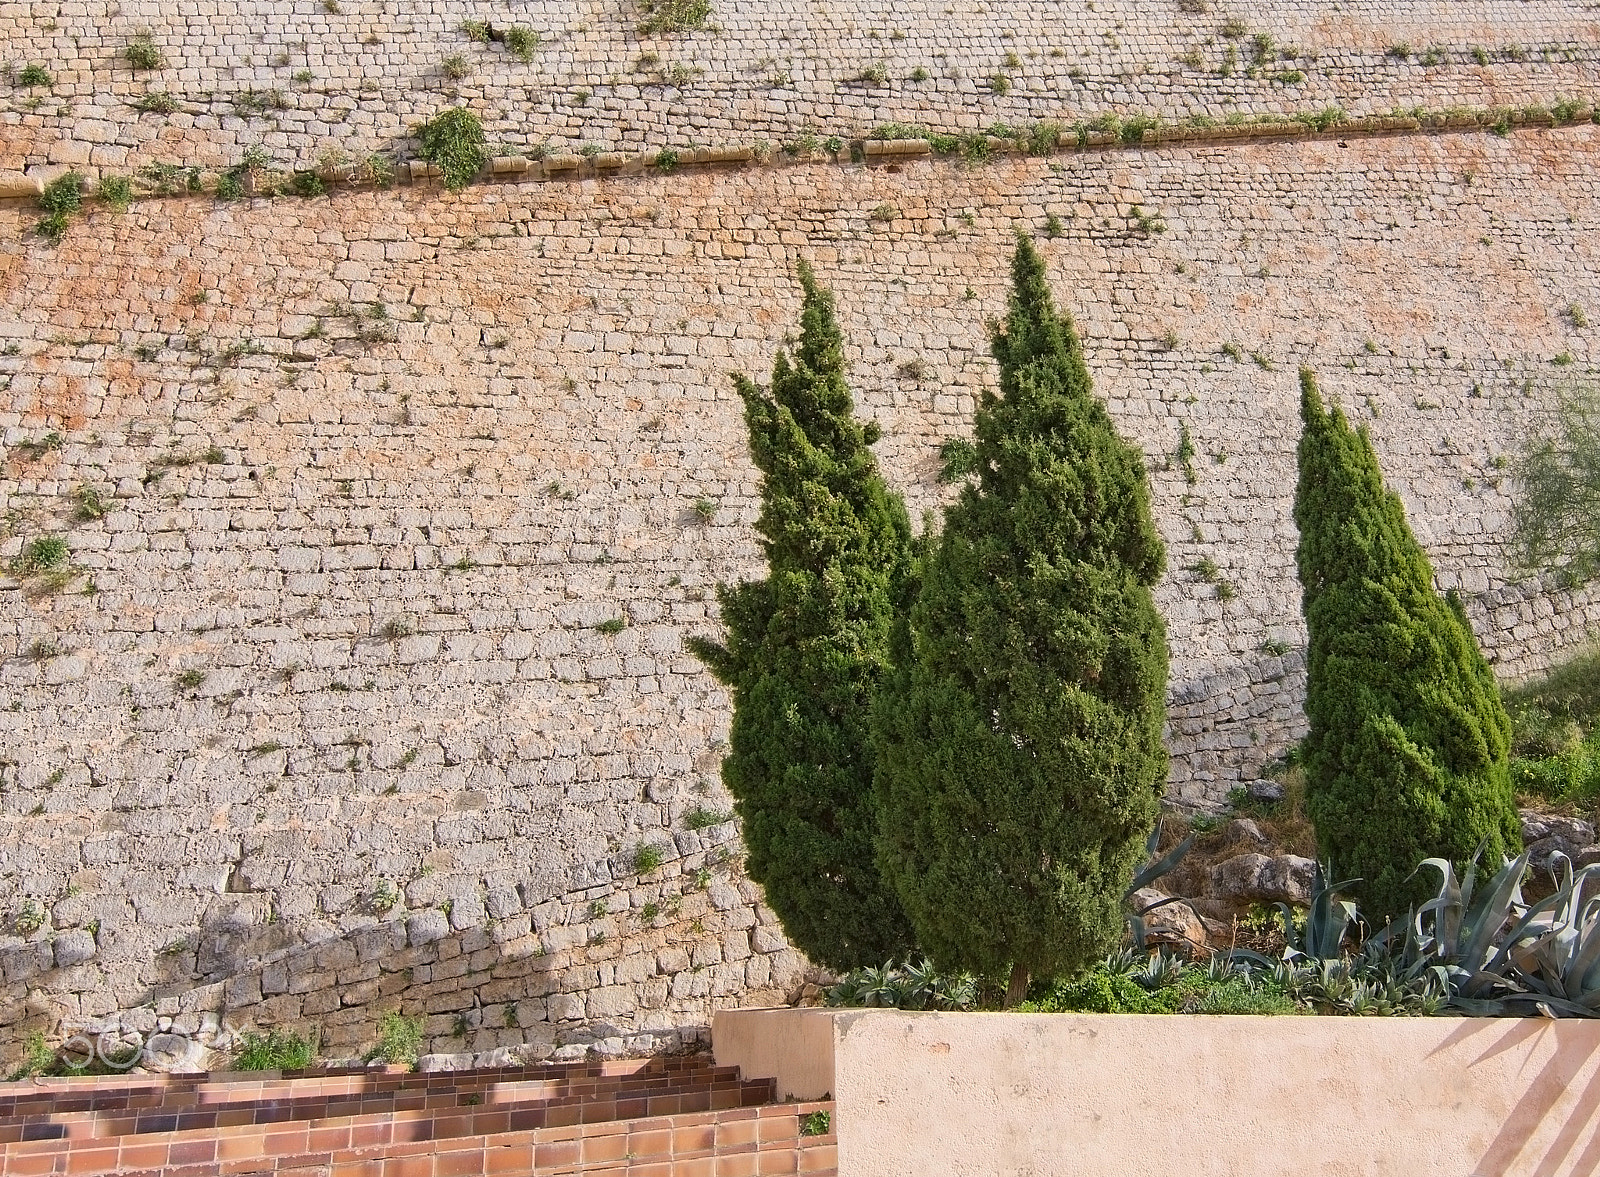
[1020, 755]
[806, 648]
[1407, 754]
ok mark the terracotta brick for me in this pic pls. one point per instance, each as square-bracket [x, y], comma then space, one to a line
[741, 1164]
[554, 1153]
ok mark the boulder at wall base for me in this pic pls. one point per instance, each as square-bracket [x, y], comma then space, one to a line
[1547, 835]
[1173, 923]
[1251, 878]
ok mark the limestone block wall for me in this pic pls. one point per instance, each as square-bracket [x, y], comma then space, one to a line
[317, 79]
[388, 520]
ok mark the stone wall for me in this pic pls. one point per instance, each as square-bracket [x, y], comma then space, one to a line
[369, 681]
[305, 79]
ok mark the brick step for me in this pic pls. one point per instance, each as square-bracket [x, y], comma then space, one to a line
[244, 1103]
[504, 1107]
[94, 1092]
[723, 1143]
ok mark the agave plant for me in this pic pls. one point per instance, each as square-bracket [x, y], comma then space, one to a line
[913, 985]
[1148, 874]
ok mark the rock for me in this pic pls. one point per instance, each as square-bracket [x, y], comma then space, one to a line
[1173, 922]
[1536, 827]
[1589, 857]
[1255, 878]
[74, 946]
[1242, 829]
[1265, 791]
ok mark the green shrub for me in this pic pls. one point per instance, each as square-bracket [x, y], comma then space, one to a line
[806, 648]
[44, 553]
[399, 1039]
[155, 103]
[1407, 753]
[958, 457]
[1020, 759]
[454, 141]
[143, 54]
[522, 41]
[273, 1050]
[646, 858]
[117, 191]
[38, 1058]
[673, 16]
[61, 198]
[1556, 511]
[34, 75]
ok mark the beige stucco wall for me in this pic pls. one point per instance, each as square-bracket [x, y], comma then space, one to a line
[1028, 1095]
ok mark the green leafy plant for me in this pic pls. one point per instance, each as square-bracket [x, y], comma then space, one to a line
[455, 143]
[816, 1124]
[806, 648]
[705, 510]
[701, 818]
[521, 41]
[34, 75]
[273, 1050]
[399, 1039]
[646, 858]
[155, 102]
[45, 553]
[89, 503]
[188, 680]
[454, 67]
[28, 919]
[116, 191]
[1019, 734]
[60, 200]
[1556, 511]
[612, 626]
[1407, 756]
[142, 53]
[672, 16]
[38, 1058]
[958, 458]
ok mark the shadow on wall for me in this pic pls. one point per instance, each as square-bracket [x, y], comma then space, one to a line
[559, 973]
[1571, 1058]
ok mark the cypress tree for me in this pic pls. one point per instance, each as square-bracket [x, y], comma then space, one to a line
[1407, 754]
[805, 650]
[1020, 755]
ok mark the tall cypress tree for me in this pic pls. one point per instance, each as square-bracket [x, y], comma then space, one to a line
[1020, 754]
[1407, 754]
[806, 648]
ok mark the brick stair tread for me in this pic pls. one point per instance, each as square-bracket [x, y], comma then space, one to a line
[504, 1096]
[421, 1124]
[576, 1149]
[267, 1082]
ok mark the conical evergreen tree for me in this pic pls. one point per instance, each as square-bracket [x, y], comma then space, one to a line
[1407, 754]
[1020, 756]
[806, 648]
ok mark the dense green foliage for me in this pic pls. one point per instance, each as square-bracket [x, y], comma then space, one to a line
[1555, 731]
[454, 140]
[1123, 984]
[805, 651]
[1020, 753]
[273, 1050]
[60, 200]
[1407, 753]
[1556, 511]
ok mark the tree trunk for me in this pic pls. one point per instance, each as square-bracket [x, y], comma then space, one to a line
[1017, 990]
